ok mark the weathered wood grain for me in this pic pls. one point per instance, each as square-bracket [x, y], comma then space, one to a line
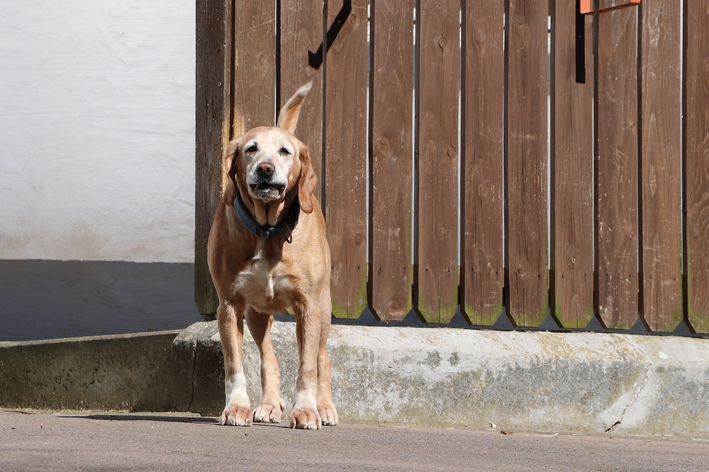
[527, 162]
[617, 169]
[661, 164]
[346, 151]
[254, 77]
[391, 272]
[437, 193]
[482, 271]
[213, 76]
[572, 158]
[301, 30]
[697, 168]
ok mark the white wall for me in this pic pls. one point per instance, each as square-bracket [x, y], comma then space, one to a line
[97, 130]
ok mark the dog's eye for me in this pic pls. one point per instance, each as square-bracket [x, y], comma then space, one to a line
[284, 151]
[252, 148]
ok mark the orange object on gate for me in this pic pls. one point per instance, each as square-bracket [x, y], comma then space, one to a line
[587, 7]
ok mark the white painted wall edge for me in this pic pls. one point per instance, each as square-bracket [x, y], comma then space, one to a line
[97, 130]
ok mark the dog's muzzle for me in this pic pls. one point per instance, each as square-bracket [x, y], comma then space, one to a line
[267, 191]
[263, 186]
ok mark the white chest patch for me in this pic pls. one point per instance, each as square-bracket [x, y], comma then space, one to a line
[261, 286]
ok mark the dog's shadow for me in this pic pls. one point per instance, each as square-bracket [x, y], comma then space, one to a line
[167, 419]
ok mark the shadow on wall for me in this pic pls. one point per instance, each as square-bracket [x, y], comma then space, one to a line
[55, 299]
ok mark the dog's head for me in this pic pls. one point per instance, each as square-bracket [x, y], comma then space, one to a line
[270, 162]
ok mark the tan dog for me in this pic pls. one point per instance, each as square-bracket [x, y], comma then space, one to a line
[267, 252]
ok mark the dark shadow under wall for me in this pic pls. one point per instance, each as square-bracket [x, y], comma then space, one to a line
[55, 299]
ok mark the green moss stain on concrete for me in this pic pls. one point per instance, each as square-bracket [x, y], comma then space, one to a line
[554, 393]
[679, 405]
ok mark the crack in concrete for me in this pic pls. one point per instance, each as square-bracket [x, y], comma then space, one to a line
[638, 392]
[192, 379]
[610, 430]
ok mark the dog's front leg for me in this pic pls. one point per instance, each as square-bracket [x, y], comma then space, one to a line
[237, 411]
[326, 408]
[305, 412]
[272, 404]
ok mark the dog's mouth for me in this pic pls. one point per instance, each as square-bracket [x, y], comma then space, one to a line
[267, 191]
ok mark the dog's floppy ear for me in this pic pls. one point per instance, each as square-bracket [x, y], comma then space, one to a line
[288, 116]
[230, 158]
[306, 182]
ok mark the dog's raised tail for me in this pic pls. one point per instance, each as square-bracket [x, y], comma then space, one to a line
[288, 116]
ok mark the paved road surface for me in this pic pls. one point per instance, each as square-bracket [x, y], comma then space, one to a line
[77, 441]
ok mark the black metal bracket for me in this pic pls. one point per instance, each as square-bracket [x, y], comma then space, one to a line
[315, 60]
[580, 45]
[583, 8]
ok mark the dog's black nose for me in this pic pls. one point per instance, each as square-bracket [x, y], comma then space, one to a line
[265, 170]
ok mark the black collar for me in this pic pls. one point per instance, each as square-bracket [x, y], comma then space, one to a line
[285, 227]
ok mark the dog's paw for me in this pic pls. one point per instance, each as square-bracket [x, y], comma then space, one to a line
[305, 418]
[328, 413]
[236, 416]
[269, 412]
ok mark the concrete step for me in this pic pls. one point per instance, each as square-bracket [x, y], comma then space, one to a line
[443, 377]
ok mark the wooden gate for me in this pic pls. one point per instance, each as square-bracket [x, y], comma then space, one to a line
[464, 162]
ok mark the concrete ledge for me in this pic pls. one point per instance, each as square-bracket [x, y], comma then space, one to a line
[125, 372]
[524, 381]
[533, 381]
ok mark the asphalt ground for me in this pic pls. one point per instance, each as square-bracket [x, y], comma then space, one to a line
[175, 442]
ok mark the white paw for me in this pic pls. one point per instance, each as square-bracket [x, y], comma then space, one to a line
[236, 416]
[305, 418]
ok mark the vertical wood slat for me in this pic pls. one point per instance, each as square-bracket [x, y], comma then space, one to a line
[617, 172]
[301, 30]
[527, 162]
[437, 149]
[572, 157]
[391, 174]
[661, 164]
[617, 146]
[254, 77]
[697, 168]
[346, 153]
[483, 261]
[213, 76]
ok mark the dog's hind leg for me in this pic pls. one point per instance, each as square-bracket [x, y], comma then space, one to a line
[237, 411]
[272, 405]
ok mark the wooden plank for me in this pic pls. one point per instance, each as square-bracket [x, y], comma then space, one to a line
[437, 194]
[527, 162]
[661, 164]
[617, 169]
[346, 151]
[391, 271]
[301, 30]
[572, 158]
[213, 75]
[483, 256]
[254, 89]
[697, 178]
